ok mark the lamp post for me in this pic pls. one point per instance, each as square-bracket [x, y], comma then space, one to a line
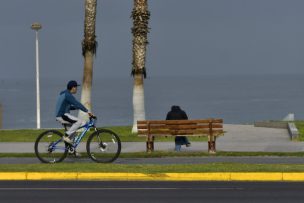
[36, 27]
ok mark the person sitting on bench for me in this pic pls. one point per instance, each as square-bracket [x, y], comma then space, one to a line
[177, 113]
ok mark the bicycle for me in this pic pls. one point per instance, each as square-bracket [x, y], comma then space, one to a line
[103, 145]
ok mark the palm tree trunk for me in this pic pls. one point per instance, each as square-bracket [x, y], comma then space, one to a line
[89, 46]
[140, 15]
[87, 80]
[138, 101]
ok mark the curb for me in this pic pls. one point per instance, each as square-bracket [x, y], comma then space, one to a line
[293, 131]
[226, 176]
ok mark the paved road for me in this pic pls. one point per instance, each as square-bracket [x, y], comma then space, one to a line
[172, 160]
[133, 192]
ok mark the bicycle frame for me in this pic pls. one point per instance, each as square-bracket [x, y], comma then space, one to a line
[86, 127]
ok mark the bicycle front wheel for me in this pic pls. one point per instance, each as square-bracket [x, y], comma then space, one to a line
[103, 146]
[50, 148]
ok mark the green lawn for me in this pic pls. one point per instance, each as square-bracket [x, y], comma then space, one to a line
[300, 126]
[124, 132]
[154, 168]
[140, 168]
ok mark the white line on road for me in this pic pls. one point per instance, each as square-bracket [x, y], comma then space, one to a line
[5, 189]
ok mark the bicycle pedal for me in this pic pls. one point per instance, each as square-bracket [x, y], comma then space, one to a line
[75, 154]
[71, 150]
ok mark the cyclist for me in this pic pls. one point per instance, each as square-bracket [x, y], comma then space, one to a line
[66, 102]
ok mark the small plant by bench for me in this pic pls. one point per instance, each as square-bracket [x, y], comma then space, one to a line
[206, 127]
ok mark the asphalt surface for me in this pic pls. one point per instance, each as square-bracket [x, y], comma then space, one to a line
[146, 191]
[172, 160]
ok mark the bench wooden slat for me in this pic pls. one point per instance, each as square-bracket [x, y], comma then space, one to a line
[179, 132]
[183, 121]
[179, 127]
[190, 125]
[180, 121]
[173, 125]
[174, 132]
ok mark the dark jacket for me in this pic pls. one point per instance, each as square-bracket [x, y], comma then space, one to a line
[66, 102]
[177, 113]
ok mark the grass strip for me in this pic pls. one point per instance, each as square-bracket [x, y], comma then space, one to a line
[150, 169]
[124, 132]
[300, 126]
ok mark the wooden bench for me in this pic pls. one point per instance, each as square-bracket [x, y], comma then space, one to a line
[207, 127]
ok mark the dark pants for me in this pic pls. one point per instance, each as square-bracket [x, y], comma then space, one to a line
[179, 141]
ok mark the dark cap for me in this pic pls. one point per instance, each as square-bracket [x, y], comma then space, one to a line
[72, 84]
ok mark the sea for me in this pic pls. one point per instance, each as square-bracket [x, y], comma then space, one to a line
[238, 99]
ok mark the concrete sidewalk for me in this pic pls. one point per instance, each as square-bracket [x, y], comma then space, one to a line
[250, 138]
[241, 138]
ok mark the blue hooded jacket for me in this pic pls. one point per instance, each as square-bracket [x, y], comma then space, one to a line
[66, 102]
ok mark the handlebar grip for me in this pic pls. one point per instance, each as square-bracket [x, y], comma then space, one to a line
[93, 117]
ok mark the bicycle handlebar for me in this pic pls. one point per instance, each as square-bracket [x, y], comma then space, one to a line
[93, 117]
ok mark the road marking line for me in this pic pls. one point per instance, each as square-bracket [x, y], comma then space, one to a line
[162, 188]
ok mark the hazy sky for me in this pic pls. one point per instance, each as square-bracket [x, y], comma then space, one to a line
[187, 37]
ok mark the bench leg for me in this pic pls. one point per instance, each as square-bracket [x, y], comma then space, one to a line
[211, 145]
[150, 145]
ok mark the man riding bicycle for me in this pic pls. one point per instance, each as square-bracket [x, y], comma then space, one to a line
[66, 102]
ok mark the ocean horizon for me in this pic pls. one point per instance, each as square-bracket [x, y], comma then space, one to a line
[238, 99]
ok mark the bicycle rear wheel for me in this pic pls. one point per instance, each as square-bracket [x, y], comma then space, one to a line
[103, 146]
[50, 148]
